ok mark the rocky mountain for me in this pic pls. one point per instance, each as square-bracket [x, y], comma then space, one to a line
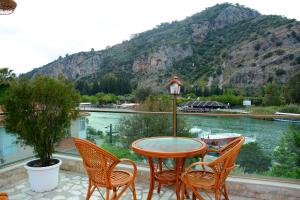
[225, 45]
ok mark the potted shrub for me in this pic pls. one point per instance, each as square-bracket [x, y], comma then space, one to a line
[38, 112]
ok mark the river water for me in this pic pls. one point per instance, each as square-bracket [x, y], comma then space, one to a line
[266, 132]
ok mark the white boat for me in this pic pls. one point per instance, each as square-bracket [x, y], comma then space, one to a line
[295, 119]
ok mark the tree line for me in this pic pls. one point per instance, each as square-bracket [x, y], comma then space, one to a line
[110, 83]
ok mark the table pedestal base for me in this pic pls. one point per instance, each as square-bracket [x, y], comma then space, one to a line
[165, 176]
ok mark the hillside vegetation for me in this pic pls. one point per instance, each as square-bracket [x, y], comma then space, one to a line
[224, 46]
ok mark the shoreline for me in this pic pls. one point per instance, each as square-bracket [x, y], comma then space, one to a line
[209, 114]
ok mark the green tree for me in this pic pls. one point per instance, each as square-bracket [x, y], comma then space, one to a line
[106, 98]
[86, 98]
[272, 95]
[38, 113]
[253, 159]
[287, 154]
[142, 93]
[293, 89]
[160, 103]
[148, 125]
[6, 77]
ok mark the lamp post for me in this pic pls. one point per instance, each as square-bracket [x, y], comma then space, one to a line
[174, 85]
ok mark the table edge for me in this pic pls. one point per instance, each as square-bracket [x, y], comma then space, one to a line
[158, 154]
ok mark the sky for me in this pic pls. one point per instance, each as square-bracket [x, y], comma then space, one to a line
[39, 31]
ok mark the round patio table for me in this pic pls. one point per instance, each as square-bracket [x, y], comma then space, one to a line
[178, 148]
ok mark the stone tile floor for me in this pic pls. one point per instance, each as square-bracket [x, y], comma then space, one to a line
[73, 186]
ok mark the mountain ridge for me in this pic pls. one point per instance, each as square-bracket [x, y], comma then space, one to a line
[225, 45]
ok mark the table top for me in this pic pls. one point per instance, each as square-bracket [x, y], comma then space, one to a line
[168, 147]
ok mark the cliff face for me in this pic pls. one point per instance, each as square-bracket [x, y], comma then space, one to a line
[226, 45]
[228, 16]
[73, 66]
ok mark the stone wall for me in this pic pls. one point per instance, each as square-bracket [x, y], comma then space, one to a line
[246, 187]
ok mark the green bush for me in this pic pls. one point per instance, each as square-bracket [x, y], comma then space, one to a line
[279, 52]
[287, 155]
[39, 111]
[293, 89]
[232, 99]
[257, 47]
[94, 132]
[292, 108]
[253, 159]
[272, 95]
[119, 151]
[139, 126]
[266, 110]
[280, 72]
[268, 55]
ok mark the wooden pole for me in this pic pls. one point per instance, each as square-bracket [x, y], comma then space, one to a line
[174, 116]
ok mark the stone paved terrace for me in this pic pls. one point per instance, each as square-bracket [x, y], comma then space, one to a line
[73, 186]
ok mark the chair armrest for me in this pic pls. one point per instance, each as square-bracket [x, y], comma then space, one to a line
[188, 169]
[130, 162]
[208, 151]
[213, 150]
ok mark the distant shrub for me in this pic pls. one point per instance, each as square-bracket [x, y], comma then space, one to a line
[118, 151]
[264, 110]
[286, 155]
[297, 60]
[257, 47]
[256, 55]
[290, 26]
[253, 64]
[291, 108]
[280, 72]
[268, 55]
[253, 159]
[278, 44]
[272, 95]
[224, 55]
[227, 98]
[279, 52]
[289, 56]
[296, 36]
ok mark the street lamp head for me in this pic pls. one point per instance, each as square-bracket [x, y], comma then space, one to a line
[7, 7]
[175, 85]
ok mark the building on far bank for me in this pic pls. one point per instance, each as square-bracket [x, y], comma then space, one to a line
[79, 126]
[201, 106]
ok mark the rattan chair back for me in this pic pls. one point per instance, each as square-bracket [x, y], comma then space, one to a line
[212, 176]
[229, 146]
[3, 196]
[97, 162]
[223, 165]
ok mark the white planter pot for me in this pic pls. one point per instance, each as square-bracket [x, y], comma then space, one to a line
[42, 179]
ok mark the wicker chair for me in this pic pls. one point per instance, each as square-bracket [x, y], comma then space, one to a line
[3, 196]
[100, 166]
[222, 150]
[202, 180]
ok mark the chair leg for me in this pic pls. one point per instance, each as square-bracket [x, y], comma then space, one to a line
[194, 196]
[225, 192]
[217, 195]
[88, 195]
[114, 194]
[183, 191]
[133, 191]
[107, 194]
[158, 188]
